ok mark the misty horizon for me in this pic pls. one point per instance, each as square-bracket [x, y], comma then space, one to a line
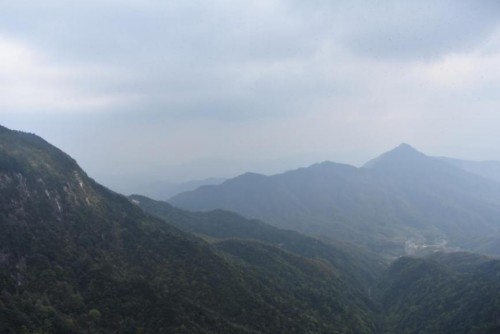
[143, 92]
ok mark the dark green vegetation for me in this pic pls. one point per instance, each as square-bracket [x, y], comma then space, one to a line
[78, 258]
[441, 293]
[455, 293]
[402, 195]
[218, 225]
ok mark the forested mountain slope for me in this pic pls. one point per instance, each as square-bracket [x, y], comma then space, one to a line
[355, 265]
[78, 258]
[443, 293]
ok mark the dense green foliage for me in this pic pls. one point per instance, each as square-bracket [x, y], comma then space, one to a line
[313, 288]
[78, 258]
[353, 264]
[402, 195]
[445, 293]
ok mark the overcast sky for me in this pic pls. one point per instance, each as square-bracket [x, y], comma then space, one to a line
[141, 90]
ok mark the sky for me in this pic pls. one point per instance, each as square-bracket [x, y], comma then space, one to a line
[142, 91]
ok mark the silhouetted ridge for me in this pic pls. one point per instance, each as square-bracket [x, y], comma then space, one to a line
[402, 156]
[32, 154]
[488, 169]
[246, 177]
[401, 195]
[327, 166]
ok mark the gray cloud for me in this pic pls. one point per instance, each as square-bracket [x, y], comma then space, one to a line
[185, 89]
[409, 30]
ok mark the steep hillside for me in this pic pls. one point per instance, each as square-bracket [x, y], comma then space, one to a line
[78, 258]
[402, 196]
[445, 293]
[314, 285]
[441, 293]
[354, 265]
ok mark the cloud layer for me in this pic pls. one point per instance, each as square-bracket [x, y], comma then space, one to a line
[212, 88]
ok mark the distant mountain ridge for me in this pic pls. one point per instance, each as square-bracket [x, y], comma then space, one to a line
[403, 194]
[163, 190]
[487, 169]
[78, 258]
[222, 225]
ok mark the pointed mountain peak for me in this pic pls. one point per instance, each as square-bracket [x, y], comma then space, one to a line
[402, 156]
[404, 147]
[403, 151]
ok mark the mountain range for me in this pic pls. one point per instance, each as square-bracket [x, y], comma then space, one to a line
[163, 190]
[439, 293]
[76, 257]
[400, 197]
[222, 225]
[488, 169]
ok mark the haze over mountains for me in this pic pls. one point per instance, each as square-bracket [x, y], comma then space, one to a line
[401, 196]
[487, 169]
[440, 293]
[121, 102]
[76, 257]
[163, 190]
